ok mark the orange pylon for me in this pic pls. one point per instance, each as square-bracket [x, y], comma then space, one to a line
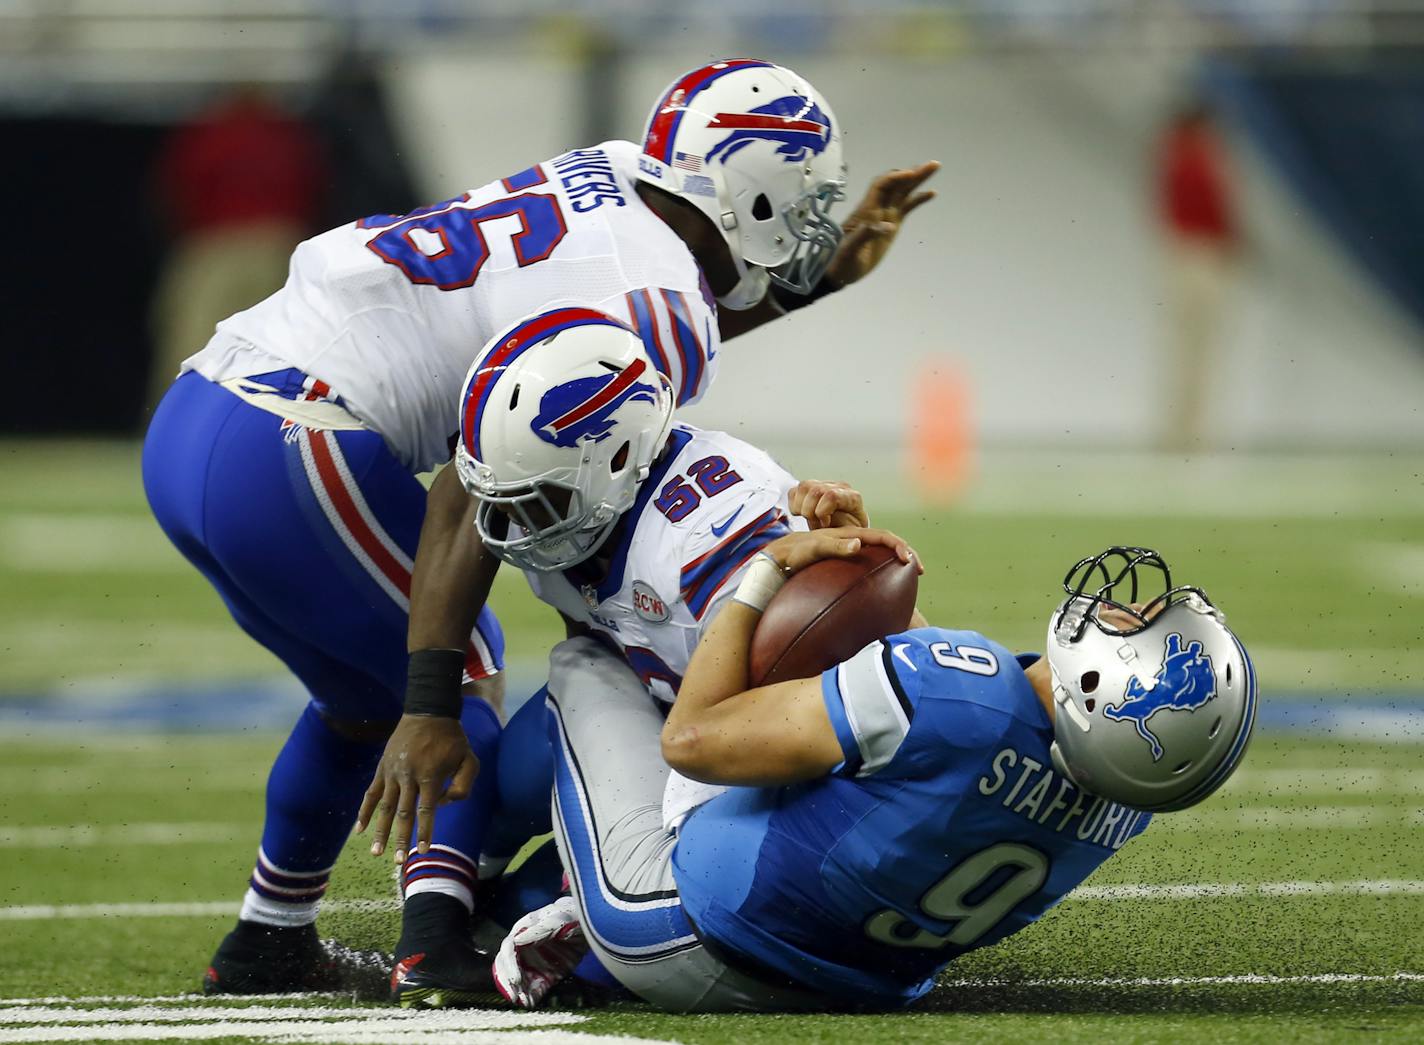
[940, 437]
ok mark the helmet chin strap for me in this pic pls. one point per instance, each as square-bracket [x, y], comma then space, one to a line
[750, 290]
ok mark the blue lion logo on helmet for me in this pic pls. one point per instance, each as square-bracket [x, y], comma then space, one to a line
[1186, 682]
[584, 407]
[797, 123]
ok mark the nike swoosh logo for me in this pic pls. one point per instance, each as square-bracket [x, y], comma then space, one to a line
[899, 651]
[717, 531]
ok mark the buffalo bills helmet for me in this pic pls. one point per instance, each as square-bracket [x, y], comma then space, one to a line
[561, 417]
[1155, 699]
[756, 149]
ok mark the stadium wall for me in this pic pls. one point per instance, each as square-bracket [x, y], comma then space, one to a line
[1037, 275]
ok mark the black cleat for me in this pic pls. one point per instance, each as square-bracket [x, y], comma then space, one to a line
[269, 959]
[438, 965]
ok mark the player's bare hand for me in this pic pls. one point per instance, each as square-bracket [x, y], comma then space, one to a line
[796, 551]
[424, 752]
[824, 504]
[876, 220]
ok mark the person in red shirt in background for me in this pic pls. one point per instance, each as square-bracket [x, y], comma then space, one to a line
[242, 185]
[1196, 200]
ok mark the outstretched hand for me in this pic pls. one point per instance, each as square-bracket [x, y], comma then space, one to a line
[422, 754]
[876, 220]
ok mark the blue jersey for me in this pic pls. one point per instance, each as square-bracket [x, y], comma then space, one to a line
[946, 828]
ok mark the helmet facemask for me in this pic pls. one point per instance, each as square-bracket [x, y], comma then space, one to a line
[817, 234]
[555, 522]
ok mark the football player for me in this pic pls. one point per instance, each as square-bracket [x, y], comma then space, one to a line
[636, 529]
[282, 460]
[932, 794]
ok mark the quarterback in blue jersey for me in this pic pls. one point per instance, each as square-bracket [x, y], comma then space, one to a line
[932, 794]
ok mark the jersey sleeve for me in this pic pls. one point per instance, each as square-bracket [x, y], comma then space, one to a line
[871, 706]
[906, 704]
[680, 330]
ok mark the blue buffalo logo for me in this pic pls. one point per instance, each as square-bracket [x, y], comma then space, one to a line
[584, 408]
[797, 125]
[1186, 682]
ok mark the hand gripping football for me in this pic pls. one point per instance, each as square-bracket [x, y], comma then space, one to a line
[829, 611]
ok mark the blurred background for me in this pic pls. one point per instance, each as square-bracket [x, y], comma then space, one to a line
[1171, 293]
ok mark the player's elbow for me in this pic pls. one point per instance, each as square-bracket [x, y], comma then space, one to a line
[685, 750]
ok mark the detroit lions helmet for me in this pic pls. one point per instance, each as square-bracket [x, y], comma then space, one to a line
[561, 417]
[1154, 702]
[756, 149]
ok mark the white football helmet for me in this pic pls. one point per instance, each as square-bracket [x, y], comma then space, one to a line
[1154, 705]
[756, 149]
[561, 417]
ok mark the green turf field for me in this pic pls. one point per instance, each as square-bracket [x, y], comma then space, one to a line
[1290, 907]
[1308, 867]
[1326, 591]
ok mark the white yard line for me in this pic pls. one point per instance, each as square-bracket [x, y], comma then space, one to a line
[1394, 565]
[1248, 980]
[194, 909]
[56, 780]
[103, 543]
[1181, 891]
[201, 1021]
[1342, 781]
[1212, 890]
[1274, 818]
[68, 836]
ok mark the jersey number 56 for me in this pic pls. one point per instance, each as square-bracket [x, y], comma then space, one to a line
[444, 245]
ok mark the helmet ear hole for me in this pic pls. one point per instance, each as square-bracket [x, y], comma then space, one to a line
[1182, 768]
[620, 459]
[1090, 704]
[761, 208]
[514, 398]
[1089, 682]
[1228, 674]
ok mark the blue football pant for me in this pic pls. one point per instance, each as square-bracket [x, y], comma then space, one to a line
[308, 537]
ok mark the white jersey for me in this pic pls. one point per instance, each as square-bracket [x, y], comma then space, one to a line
[390, 311]
[708, 506]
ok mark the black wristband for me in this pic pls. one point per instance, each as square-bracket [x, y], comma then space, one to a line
[432, 683]
[790, 301]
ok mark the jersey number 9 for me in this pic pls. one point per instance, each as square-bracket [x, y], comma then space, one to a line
[948, 899]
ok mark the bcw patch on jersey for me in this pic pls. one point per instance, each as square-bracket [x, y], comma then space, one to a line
[647, 603]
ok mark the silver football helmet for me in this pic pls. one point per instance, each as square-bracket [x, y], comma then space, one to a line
[1154, 702]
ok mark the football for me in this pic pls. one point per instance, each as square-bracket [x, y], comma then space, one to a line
[829, 610]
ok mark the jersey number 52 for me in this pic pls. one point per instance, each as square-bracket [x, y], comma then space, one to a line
[445, 246]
